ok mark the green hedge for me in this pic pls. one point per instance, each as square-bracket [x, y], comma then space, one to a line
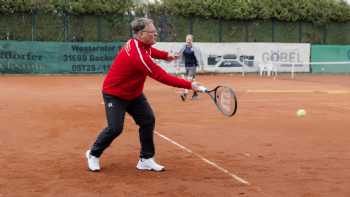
[314, 11]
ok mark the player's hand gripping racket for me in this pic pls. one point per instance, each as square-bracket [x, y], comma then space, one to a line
[224, 98]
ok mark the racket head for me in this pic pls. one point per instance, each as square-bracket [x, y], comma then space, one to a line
[225, 100]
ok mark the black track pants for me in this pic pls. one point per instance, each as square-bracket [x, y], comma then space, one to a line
[140, 111]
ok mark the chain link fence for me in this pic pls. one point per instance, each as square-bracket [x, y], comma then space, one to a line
[90, 28]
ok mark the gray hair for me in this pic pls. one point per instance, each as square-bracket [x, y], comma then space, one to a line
[139, 24]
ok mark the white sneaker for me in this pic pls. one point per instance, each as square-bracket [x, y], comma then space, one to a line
[149, 164]
[93, 162]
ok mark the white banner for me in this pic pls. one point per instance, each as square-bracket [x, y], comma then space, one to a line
[243, 57]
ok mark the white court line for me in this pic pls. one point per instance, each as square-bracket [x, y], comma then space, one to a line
[338, 106]
[338, 92]
[237, 178]
[279, 91]
[299, 91]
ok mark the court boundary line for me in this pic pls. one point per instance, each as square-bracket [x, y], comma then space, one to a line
[334, 105]
[232, 175]
[297, 91]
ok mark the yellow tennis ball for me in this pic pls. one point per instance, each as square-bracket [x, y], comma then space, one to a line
[301, 113]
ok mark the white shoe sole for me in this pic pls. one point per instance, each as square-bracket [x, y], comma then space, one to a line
[87, 158]
[149, 169]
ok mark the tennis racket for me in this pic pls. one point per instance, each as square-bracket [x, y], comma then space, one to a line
[225, 99]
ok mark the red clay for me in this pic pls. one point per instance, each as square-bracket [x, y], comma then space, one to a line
[48, 122]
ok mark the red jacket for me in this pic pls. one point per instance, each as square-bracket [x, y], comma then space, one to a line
[132, 65]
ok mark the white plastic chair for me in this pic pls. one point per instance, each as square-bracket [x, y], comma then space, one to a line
[269, 68]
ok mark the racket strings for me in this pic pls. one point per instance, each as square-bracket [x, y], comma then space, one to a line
[226, 100]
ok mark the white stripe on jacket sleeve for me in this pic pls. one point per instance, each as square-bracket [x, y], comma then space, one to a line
[143, 61]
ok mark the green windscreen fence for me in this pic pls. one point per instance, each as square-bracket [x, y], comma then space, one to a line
[56, 57]
[61, 26]
[16, 27]
[330, 58]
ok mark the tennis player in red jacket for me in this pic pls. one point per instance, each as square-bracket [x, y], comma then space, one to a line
[123, 92]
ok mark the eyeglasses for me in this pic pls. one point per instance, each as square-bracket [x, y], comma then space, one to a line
[151, 32]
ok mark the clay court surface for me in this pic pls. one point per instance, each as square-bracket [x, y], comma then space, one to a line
[48, 122]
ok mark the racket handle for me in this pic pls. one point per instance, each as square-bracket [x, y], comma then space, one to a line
[202, 89]
[199, 88]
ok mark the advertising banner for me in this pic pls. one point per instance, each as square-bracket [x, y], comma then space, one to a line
[56, 57]
[330, 58]
[96, 57]
[246, 57]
